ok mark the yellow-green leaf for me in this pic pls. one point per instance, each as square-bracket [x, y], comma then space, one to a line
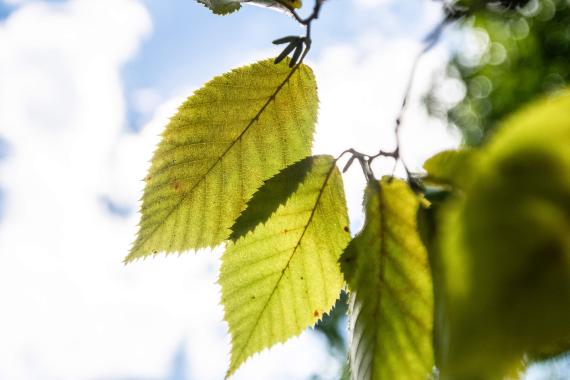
[391, 296]
[505, 248]
[239, 129]
[450, 167]
[283, 277]
[224, 7]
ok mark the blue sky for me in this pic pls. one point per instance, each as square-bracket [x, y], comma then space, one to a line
[86, 87]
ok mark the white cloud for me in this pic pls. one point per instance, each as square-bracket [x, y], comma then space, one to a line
[15, 2]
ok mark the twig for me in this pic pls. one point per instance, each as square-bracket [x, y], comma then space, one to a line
[313, 16]
[429, 41]
[296, 43]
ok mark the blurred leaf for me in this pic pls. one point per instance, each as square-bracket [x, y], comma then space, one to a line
[451, 167]
[283, 277]
[429, 230]
[224, 7]
[513, 58]
[391, 304]
[274, 192]
[497, 5]
[217, 150]
[505, 248]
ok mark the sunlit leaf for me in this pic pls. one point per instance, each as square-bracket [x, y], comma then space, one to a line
[505, 248]
[391, 300]
[281, 278]
[224, 7]
[224, 141]
[270, 196]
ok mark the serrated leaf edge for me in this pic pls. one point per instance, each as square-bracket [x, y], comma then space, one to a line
[231, 370]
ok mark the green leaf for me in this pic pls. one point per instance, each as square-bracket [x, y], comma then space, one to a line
[451, 167]
[505, 248]
[284, 276]
[238, 130]
[550, 351]
[224, 7]
[270, 196]
[391, 299]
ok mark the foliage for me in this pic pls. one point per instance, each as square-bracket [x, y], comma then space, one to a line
[224, 7]
[463, 271]
[212, 156]
[282, 277]
[524, 54]
[391, 305]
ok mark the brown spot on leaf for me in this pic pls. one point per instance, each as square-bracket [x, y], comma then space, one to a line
[316, 313]
[176, 185]
[346, 229]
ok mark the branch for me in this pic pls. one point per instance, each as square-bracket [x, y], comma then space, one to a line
[299, 44]
[429, 41]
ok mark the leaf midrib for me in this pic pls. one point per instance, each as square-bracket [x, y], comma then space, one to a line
[382, 285]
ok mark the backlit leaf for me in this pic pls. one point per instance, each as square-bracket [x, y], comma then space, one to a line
[505, 248]
[391, 300]
[283, 277]
[274, 192]
[238, 130]
[224, 7]
[451, 167]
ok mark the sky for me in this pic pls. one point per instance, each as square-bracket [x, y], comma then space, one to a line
[86, 87]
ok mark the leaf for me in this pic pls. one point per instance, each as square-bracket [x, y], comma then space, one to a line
[505, 248]
[451, 167]
[270, 196]
[238, 130]
[391, 300]
[224, 7]
[429, 230]
[284, 276]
